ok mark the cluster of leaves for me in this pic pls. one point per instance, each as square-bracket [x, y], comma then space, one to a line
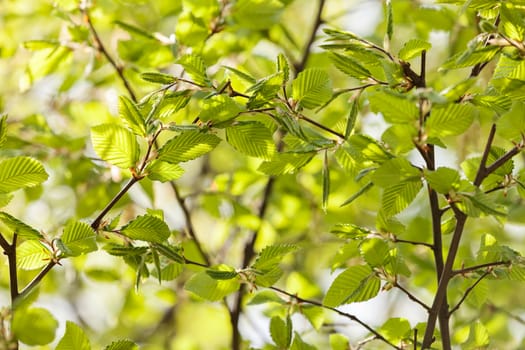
[291, 132]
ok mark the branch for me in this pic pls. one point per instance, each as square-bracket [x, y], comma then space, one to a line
[299, 66]
[321, 126]
[102, 49]
[411, 296]
[37, 279]
[482, 170]
[397, 240]
[468, 291]
[477, 267]
[344, 314]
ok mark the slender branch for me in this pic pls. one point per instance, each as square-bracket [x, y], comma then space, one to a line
[411, 296]
[504, 158]
[423, 73]
[342, 313]
[482, 170]
[468, 291]
[189, 223]
[96, 223]
[4, 243]
[397, 240]
[13, 276]
[102, 49]
[477, 267]
[27, 289]
[321, 126]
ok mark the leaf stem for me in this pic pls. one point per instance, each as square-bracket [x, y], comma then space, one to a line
[468, 291]
[411, 296]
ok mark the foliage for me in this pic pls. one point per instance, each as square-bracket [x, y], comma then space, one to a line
[231, 168]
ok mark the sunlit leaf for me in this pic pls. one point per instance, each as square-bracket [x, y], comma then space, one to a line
[357, 283]
[257, 14]
[219, 108]
[272, 255]
[3, 129]
[187, 146]
[161, 171]
[252, 139]
[204, 286]
[115, 144]
[413, 48]
[443, 179]
[159, 78]
[131, 116]
[374, 251]
[194, 66]
[312, 88]
[358, 194]
[285, 163]
[21, 172]
[394, 107]
[20, 228]
[34, 326]
[393, 171]
[122, 345]
[396, 329]
[399, 196]
[454, 119]
[73, 339]
[79, 238]
[31, 255]
[350, 66]
[281, 331]
[147, 228]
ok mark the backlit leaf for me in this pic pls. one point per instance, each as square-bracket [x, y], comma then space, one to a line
[357, 283]
[394, 107]
[285, 163]
[204, 286]
[413, 48]
[399, 196]
[219, 108]
[374, 251]
[252, 139]
[454, 119]
[3, 129]
[122, 345]
[349, 66]
[34, 326]
[161, 171]
[312, 88]
[187, 146]
[443, 179]
[73, 339]
[131, 115]
[79, 238]
[194, 66]
[147, 228]
[20, 228]
[31, 255]
[281, 331]
[257, 14]
[393, 171]
[21, 172]
[115, 144]
[272, 255]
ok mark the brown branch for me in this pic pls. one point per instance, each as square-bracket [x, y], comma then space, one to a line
[27, 289]
[477, 267]
[482, 170]
[397, 240]
[99, 45]
[468, 291]
[342, 313]
[321, 126]
[299, 66]
[411, 296]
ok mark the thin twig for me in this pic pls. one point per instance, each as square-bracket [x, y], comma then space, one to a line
[468, 291]
[477, 267]
[27, 289]
[412, 296]
[299, 66]
[397, 240]
[342, 313]
[482, 170]
[321, 126]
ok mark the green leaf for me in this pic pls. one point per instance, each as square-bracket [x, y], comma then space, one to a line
[413, 48]
[74, 338]
[171, 252]
[159, 78]
[512, 21]
[257, 14]
[21, 172]
[265, 90]
[271, 256]
[389, 20]
[194, 66]
[219, 108]
[443, 179]
[312, 88]
[350, 231]
[252, 139]
[374, 251]
[395, 170]
[281, 331]
[147, 228]
[265, 296]
[339, 342]
[171, 103]
[471, 57]
[134, 30]
[350, 66]
[131, 116]
[478, 338]
[20, 228]
[115, 144]
[511, 125]
[34, 326]
[314, 314]
[352, 117]
[122, 345]
[399, 196]
[358, 194]
[485, 203]
[452, 120]
[161, 171]
[285, 163]
[396, 329]
[244, 76]
[204, 286]
[364, 148]
[357, 283]
[284, 67]
[222, 272]
[187, 146]
[299, 344]
[395, 108]
[3, 130]
[31, 255]
[326, 180]
[79, 238]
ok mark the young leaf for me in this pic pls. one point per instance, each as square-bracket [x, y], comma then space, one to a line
[283, 66]
[399, 196]
[511, 125]
[244, 76]
[312, 88]
[34, 326]
[352, 117]
[442, 179]
[299, 344]
[281, 331]
[20, 172]
[194, 66]
[3, 130]
[396, 329]
[271, 256]
[31, 255]
[363, 148]
[357, 283]
[170, 252]
[115, 144]
[394, 107]
[326, 180]
[256, 14]
[350, 66]
[285, 163]
[339, 342]
[389, 20]
[413, 48]
[187, 146]
[204, 286]
[219, 108]
[350, 231]
[393, 171]
[374, 251]
[452, 120]
[147, 228]
[159, 78]
[74, 338]
[485, 203]
[358, 194]
[79, 238]
[252, 139]
[161, 171]
[20, 228]
[131, 116]
[122, 345]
